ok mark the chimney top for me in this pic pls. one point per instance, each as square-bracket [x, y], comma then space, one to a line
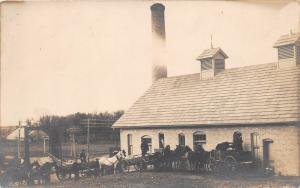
[157, 7]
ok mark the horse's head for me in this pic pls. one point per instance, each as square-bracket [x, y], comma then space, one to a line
[35, 163]
[124, 153]
[187, 149]
[121, 155]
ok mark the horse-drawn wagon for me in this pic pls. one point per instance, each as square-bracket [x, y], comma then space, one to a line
[139, 162]
[65, 169]
[229, 160]
[229, 156]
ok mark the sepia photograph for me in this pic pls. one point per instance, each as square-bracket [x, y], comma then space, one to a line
[150, 94]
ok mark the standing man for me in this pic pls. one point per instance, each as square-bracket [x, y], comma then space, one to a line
[238, 141]
[82, 156]
[144, 147]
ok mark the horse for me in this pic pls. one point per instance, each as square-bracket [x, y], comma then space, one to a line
[200, 160]
[15, 174]
[105, 162]
[181, 160]
[175, 158]
[167, 157]
[41, 173]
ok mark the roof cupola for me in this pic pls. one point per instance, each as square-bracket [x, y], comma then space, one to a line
[288, 50]
[212, 61]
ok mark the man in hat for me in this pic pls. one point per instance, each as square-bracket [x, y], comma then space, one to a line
[144, 147]
[82, 156]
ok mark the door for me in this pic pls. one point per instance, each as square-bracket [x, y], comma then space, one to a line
[267, 159]
[147, 139]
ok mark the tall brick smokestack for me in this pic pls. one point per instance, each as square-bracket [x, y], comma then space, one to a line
[159, 69]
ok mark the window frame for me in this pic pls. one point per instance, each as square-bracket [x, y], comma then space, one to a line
[206, 64]
[161, 145]
[129, 144]
[199, 141]
[181, 137]
[149, 144]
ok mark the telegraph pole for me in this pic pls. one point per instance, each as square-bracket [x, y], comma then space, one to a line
[19, 135]
[88, 140]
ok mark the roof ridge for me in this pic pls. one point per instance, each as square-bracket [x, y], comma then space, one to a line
[230, 69]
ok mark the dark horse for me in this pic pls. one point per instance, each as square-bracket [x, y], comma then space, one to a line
[15, 174]
[200, 160]
[41, 173]
[175, 158]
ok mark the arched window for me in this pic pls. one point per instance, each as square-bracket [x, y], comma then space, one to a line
[161, 140]
[199, 138]
[148, 140]
[181, 139]
[129, 144]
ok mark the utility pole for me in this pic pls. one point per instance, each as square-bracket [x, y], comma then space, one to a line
[73, 144]
[88, 140]
[19, 135]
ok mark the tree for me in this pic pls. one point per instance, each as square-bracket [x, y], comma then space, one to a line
[56, 126]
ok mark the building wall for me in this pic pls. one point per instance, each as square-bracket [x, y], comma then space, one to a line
[284, 150]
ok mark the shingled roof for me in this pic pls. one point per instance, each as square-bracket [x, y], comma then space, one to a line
[246, 95]
[209, 53]
[288, 39]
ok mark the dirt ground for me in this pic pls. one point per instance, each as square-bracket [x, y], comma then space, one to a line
[178, 180]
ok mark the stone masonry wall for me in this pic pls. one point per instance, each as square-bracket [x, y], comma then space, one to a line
[284, 150]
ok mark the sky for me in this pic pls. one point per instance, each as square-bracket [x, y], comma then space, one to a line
[58, 58]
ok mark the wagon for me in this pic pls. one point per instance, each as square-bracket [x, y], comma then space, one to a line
[65, 169]
[139, 162]
[230, 160]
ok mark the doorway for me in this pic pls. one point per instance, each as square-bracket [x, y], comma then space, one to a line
[148, 140]
[267, 158]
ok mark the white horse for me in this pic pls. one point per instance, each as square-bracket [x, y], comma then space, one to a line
[105, 162]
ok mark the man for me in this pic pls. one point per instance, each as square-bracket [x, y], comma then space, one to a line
[200, 149]
[144, 147]
[82, 156]
[238, 141]
[97, 168]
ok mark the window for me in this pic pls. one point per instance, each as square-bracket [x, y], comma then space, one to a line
[199, 138]
[267, 158]
[129, 144]
[206, 64]
[285, 52]
[219, 64]
[181, 139]
[148, 140]
[161, 140]
[254, 145]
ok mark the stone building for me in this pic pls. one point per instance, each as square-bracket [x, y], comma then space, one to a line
[261, 101]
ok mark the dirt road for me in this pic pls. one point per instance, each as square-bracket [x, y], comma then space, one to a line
[178, 180]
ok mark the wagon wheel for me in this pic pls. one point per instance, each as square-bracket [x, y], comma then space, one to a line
[158, 165]
[63, 175]
[84, 173]
[230, 164]
[211, 165]
[139, 166]
[124, 166]
[24, 182]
